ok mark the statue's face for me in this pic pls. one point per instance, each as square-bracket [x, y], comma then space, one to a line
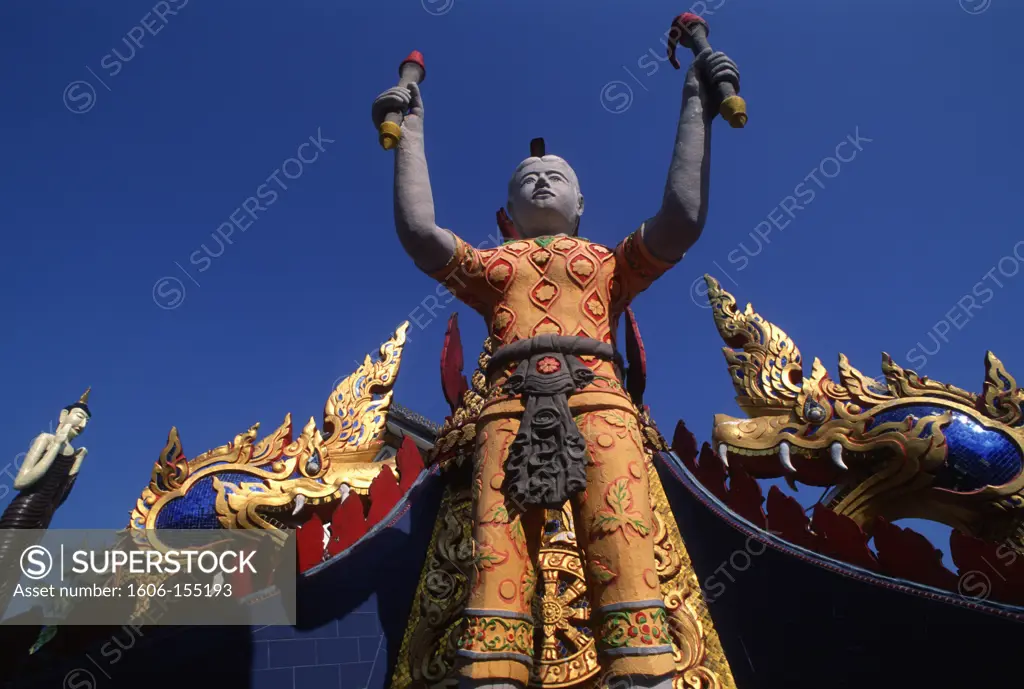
[75, 420]
[544, 198]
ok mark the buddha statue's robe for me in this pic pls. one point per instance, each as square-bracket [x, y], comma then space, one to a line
[32, 509]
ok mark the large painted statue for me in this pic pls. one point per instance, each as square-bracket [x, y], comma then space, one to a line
[44, 482]
[556, 425]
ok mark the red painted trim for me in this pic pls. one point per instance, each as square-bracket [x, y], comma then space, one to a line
[453, 382]
[417, 57]
[505, 225]
[636, 359]
[745, 497]
[711, 472]
[348, 525]
[787, 518]
[410, 464]
[384, 495]
[839, 537]
[836, 567]
[684, 444]
[907, 554]
[309, 543]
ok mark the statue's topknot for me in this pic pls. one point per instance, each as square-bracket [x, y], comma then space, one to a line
[82, 403]
[538, 150]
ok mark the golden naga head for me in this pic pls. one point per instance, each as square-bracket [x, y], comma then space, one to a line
[273, 483]
[905, 447]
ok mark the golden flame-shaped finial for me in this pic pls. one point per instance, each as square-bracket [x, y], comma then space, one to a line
[764, 363]
[84, 399]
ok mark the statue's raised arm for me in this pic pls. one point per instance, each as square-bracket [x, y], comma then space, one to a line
[429, 246]
[684, 207]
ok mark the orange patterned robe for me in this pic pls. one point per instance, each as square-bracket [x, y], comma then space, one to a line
[568, 286]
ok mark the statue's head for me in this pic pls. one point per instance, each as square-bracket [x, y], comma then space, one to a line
[544, 196]
[76, 416]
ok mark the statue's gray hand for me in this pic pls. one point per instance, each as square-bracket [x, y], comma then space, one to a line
[398, 99]
[707, 71]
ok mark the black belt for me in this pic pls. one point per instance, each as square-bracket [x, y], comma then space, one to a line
[547, 461]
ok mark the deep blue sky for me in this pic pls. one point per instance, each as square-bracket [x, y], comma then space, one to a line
[100, 205]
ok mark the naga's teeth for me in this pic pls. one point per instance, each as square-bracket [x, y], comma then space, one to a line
[836, 450]
[344, 490]
[787, 464]
[723, 454]
[300, 502]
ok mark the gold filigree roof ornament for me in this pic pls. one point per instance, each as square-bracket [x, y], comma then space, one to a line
[885, 446]
[866, 391]
[285, 474]
[1002, 398]
[356, 413]
[906, 383]
[768, 373]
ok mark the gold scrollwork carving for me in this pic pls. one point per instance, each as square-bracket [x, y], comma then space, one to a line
[885, 443]
[427, 656]
[457, 439]
[768, 373]
[907, 383]
[356, 412]
[283, 472]
[699, 656]
[1002, 398]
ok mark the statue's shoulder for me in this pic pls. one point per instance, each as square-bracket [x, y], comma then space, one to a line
[600, 251]
[47, 437]
[511, 246]
[562, 243]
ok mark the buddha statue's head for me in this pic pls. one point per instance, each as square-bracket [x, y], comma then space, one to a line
[544, 196]
[76, 416]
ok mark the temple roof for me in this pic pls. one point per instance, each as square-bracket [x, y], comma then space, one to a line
[405, 422]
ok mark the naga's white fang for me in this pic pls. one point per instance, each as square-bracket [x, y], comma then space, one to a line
[787, 464]
[836, 449]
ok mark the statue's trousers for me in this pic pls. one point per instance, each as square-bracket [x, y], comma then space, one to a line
[615, 531]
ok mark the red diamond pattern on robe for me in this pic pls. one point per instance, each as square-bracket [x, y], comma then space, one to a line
[543, 293]
[581, 269]
[502, 321]
[517, 248]
[499, 274]
[583, 332]
[547, 325]
[601, 253]
[564, 245]
[541, 258]
[588, 361]
[594, 308]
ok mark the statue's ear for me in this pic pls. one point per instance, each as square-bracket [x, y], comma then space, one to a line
[581, 204]
[63, 416]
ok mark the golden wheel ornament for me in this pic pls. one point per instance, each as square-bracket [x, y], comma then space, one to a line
[565, 651]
